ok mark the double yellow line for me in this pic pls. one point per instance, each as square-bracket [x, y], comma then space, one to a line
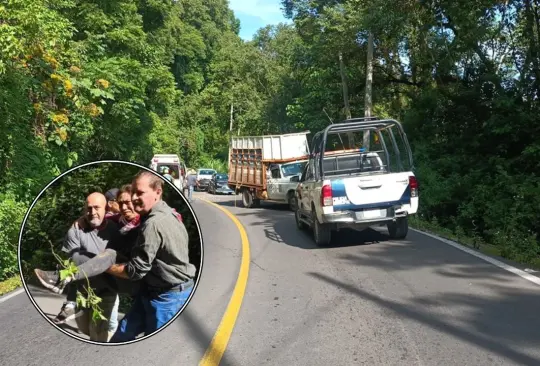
[216, 349]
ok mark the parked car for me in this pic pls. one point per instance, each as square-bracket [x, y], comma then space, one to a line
[218, 184]
[204, 176]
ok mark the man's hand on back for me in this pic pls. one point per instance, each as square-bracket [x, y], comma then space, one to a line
[118, 270]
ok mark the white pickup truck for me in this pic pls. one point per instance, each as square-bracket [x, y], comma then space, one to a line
[358, 187]
[282, 180]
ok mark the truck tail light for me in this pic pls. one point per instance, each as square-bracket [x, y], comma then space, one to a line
[326, 195]
[413, 184]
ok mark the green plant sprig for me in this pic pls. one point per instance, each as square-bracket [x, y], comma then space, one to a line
[92, 300]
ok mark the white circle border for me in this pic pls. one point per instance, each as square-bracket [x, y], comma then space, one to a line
[196, 282]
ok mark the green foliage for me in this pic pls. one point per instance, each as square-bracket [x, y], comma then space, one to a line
[125, 79]
[91, 300]
[11, 216]
[10, 284]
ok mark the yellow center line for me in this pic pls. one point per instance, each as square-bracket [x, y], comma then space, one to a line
[217, 346]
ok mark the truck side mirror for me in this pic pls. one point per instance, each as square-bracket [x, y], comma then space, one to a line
[296, 178]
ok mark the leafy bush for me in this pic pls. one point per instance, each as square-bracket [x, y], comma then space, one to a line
[11, 217]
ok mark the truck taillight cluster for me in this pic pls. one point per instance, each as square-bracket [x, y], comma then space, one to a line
[326, 195]
[413, 184]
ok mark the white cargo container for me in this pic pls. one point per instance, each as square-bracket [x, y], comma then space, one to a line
[275, 147]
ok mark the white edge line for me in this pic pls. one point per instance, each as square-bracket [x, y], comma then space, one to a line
[495, 262]
[11, 294]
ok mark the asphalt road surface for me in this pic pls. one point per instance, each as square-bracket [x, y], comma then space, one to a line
[363, 300]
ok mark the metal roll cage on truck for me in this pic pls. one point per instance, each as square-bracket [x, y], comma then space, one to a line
[357, 187]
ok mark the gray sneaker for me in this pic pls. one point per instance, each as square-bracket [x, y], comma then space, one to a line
[66, 314]
[50, 280]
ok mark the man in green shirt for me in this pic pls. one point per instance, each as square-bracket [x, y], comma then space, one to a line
[160, 259]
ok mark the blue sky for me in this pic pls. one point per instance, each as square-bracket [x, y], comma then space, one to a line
[255, 14]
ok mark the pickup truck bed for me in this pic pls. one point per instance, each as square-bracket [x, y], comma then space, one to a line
[356, 187]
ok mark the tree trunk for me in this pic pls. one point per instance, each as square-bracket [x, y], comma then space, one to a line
[369, 79]
[232, 119]
[345, 87]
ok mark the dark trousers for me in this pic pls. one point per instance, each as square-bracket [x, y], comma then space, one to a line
[93, 267]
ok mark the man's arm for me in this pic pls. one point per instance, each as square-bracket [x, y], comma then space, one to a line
[144, 253]
[72, 241]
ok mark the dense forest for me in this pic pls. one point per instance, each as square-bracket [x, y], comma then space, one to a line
[95, 79]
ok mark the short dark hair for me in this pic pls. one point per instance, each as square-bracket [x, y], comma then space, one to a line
[155, 181]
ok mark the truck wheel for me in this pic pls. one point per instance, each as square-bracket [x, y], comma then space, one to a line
[321, 233]
[399, 228]
[247, 199]
[299, 224]
[292, 201]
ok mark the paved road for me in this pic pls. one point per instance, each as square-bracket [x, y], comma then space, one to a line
[368, 300]
[365, 300]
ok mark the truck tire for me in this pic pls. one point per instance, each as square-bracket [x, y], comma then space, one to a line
[248, 200]
[299, 224]
[292, 201]
[321, 232]
[398, 229]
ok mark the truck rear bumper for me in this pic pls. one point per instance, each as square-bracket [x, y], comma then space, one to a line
[363, 218]
[226, 190]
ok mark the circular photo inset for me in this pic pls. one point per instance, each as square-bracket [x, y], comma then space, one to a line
[110, 252]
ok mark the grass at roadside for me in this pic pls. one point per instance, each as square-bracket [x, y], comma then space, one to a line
[10, 284]
[485, 248]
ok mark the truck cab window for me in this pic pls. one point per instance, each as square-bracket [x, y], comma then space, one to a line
[275, 173]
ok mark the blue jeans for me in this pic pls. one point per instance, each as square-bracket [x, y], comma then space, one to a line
[113, 321]
[190, 193]
[149, 313]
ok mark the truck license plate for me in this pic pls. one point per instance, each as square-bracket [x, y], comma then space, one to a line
[371, 214]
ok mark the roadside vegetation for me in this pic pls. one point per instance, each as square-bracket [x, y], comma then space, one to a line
[124, 79]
